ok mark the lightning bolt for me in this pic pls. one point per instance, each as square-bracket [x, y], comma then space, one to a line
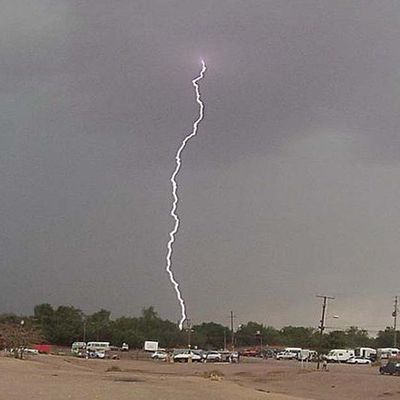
[175, 193]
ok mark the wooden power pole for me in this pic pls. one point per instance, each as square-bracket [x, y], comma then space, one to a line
[322, 325]
[394, 314]
[232, 331]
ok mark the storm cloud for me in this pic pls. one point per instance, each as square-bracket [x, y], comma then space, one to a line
[290, 189]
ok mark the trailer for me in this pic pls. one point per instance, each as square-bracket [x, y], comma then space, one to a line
[339, 355]
[365, 352]
[387, 352]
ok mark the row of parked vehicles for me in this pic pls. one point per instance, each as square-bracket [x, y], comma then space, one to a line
[195, 355]
[96, 349]
[360, 355]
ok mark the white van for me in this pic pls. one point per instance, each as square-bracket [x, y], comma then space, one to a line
[290, 353]
[339, 355]
[98, 346]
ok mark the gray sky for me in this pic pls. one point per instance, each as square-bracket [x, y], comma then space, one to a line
[290, 189]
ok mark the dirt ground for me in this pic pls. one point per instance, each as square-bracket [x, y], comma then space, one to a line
[63, 377]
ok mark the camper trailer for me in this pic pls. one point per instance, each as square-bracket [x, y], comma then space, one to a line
[365, 352]
[387, 352]
[339, 355]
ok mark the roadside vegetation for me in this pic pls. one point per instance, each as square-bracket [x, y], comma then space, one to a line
[66, 324]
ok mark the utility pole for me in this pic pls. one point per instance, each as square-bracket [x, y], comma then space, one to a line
[225, 339]
[189, 331]
[394, 314]
[84, 329]
[322, 325]
[232, 331]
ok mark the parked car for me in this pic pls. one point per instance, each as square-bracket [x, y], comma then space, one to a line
[234, 357]
[358, 360]
[124, 347]
[212, 356]
[225, 355]
[286, 355]
[159, 355]
[31, 351]
[250, 353]
[78, 349]
[392, 368]
[184, 355]
[96, 354]
[268, 353]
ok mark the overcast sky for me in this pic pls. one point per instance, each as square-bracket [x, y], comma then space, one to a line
[290, 189]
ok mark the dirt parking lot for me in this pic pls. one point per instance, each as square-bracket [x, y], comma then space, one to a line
[64, 377]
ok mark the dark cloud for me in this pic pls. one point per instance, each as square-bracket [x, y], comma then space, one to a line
[290, 189]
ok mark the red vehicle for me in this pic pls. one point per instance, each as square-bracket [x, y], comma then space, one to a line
[250, 353]
[42, 348]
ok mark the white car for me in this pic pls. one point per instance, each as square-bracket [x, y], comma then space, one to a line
[96, 354]
[159, 355]
[286, 355]
[184, 355]
[212, 356]
[358, 360]
[31, 351]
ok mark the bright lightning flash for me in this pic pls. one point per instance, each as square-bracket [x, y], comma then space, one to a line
[175, 193]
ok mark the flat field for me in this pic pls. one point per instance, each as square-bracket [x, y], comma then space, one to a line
[48, 377]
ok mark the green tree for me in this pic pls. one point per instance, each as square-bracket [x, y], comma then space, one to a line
[66, 326]
[126, 330]
[8, 318]
[44, 316]
[210, 335]
[356, 337]
[334, 340]
[298, 336]
[149, 326]
[247, 334]
[98, 326]
[272, 336]
[385, 338]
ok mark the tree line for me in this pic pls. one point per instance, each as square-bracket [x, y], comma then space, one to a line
[64, 325]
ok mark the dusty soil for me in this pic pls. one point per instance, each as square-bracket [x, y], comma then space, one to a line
[63, 377]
